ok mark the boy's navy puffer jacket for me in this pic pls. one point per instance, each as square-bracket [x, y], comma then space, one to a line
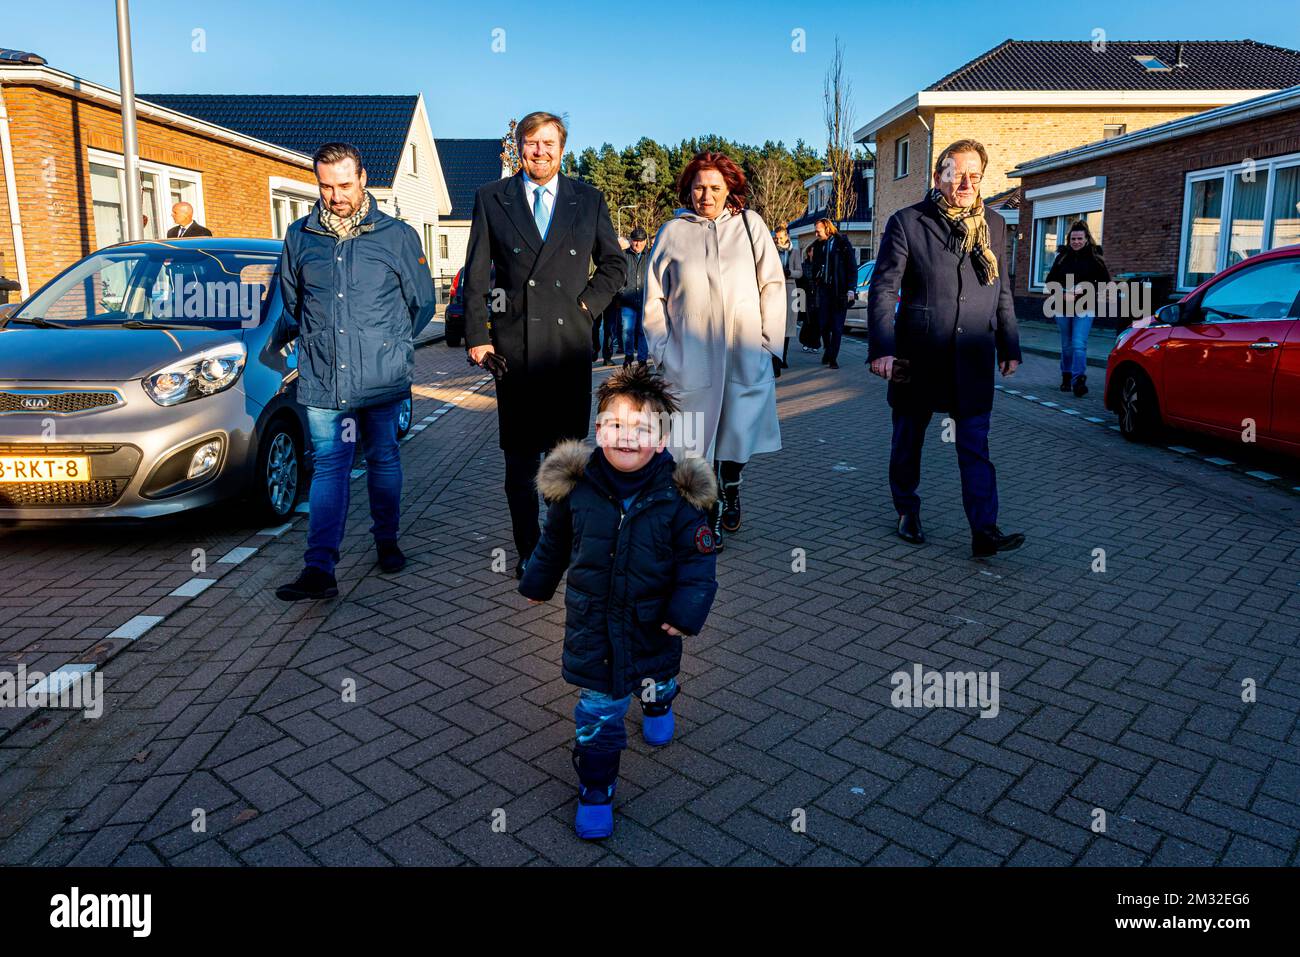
[629, 572]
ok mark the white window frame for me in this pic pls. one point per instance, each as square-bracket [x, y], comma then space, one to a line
[163, 172]
[1226, 174]
[903, 144]
[413, 167]
[286, 188]
[1120, 128]
[1073, 199]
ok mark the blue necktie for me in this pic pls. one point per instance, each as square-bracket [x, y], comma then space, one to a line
[540, 216]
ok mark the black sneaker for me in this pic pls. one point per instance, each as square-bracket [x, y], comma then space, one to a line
[312, 584]
[391, 558]
[1080, 386]
[729, 517]
[988, 544]
[1066, 381]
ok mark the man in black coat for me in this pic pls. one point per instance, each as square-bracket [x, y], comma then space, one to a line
[954, 321]
[183, 214]
[542, 231]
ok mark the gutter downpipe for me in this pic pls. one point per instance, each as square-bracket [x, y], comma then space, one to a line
[11, 189]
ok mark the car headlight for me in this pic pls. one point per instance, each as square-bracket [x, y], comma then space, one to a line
[1123, 334]
[207, 373]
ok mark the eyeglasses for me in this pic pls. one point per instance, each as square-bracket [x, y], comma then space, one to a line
[974, 178]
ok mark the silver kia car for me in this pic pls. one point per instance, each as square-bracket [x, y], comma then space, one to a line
[150, 378]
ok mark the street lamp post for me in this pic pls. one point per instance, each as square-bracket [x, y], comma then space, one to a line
[130, 143]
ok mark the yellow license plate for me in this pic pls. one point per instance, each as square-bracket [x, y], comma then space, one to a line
[44, 468]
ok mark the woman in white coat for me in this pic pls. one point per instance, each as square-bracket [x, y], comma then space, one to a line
[715, 319]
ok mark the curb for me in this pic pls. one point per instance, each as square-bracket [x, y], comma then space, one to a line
[1093, 361]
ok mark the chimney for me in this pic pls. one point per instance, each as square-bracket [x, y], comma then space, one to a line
[1180, 64]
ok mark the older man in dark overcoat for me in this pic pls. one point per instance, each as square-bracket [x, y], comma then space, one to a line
[942, 261]
[542, 231]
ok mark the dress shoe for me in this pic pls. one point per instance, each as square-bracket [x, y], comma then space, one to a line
[1080, 386]
[312, 584]
[391, 558]
[986, 544]
[833, 364]
[909, 529]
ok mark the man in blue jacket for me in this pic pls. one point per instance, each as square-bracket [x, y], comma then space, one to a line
[942, 261]
[356, 290]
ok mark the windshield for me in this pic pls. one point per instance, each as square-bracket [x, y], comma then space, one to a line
[210, 287]
[865, 271]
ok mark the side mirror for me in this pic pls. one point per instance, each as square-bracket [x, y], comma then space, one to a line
[1170, 314]
[8, 309]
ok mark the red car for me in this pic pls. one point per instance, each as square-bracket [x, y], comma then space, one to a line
[1223, 358]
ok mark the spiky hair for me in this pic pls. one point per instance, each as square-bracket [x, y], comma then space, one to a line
[641, 387]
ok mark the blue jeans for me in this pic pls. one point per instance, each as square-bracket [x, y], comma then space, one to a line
[598, 718]
[633, 334]
[1074, 343]
[334, 435]
[979, 485]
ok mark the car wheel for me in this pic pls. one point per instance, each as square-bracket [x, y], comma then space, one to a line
[404, 417]
[1139, 411]
[452, 339]
[278, 477]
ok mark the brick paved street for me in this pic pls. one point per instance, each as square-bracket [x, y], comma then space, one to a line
[1119, 690]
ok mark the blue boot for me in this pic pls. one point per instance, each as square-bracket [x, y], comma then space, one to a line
[595, 817]
[657, 729]
[597, 779]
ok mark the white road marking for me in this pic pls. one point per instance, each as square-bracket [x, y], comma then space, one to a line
[135, 627]
[357, 473]
[1181, 449]
[1264, 476]
[1215, 460]
[60, 678]
[277, 531]
[195, 586]
[236, 555]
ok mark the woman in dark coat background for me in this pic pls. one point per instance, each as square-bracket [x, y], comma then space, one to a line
[810, 337]
[1078, 268]
[835, 272]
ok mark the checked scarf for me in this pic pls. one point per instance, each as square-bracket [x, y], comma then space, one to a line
[341, 227]
[969, 234]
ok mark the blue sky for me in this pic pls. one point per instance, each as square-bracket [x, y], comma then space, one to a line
[666, 69]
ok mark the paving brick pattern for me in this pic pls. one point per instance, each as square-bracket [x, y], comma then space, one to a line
[1119, 690]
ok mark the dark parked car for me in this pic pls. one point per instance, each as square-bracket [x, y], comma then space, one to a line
[454, 317]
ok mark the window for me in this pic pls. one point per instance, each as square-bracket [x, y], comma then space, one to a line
[902, 156]
[1267, 291]
[1153, 64]
[414, 168]
[1111, 130]
[426, 240]
[1050, 234]
[1234, 212]
[289, 203]
[443, 251]
[160, 188]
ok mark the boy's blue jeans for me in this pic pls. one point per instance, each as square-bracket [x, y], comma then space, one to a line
[598, 720]
[633, 334]
[334, 435]
[1074, 343]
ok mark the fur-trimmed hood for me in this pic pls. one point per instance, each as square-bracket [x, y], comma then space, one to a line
[565, 465]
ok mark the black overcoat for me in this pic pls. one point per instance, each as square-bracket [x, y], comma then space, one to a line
[534, 317]
[950, 329]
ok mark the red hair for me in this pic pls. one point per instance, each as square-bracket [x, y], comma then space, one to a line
[732, 175]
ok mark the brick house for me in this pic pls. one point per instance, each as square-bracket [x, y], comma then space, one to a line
[1024, 99]
[1182, 200]
[857, 229]
[62, 184]
[466, 165]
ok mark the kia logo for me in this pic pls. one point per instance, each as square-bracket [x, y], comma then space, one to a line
[35, 402]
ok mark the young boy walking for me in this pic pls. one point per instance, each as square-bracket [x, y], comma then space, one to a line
[630, 525]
